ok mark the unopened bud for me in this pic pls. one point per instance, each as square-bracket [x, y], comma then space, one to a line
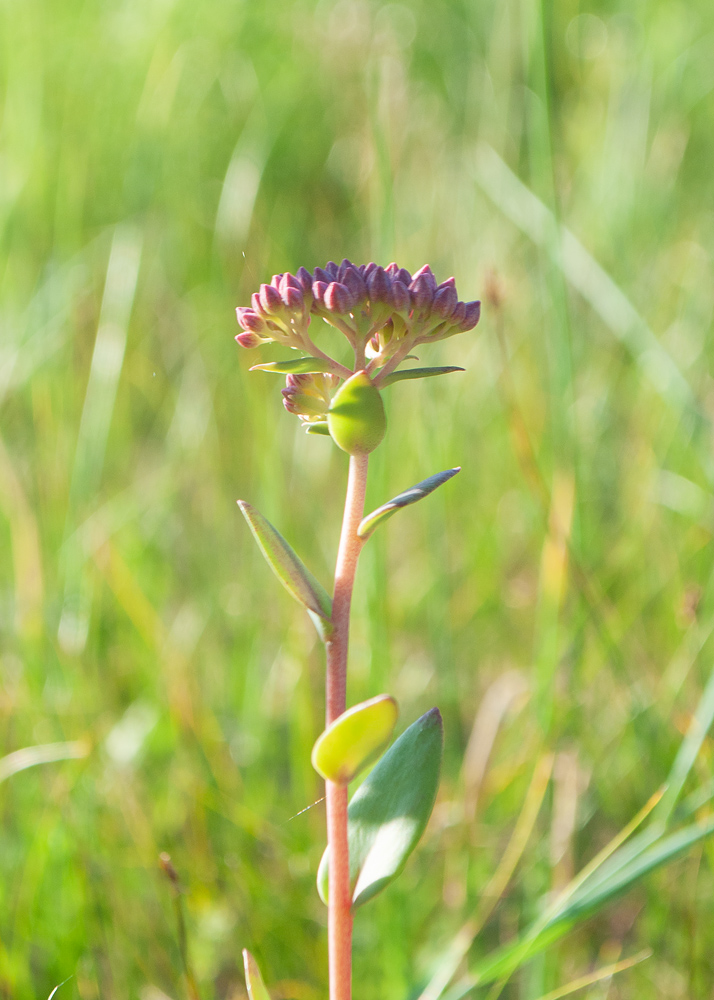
[344, 267]
[321, 274]
[249, 339]
[270, 300]
[294, 299]
[422, 290]
[338, 298]
[471, 316]
[318, 290]
[354, 282]
[356, 418]
[380, 286]
[457, 316]
[445, 299]
[332, 270]
[251, 321]
[401, 297]
[305, 279]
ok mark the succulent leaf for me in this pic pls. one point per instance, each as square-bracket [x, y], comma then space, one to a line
[409, 373]
[253, 979]
[355, 740]
[286, 565]
[297, 366]
[356, 416]
[410, 496]
[389, 811]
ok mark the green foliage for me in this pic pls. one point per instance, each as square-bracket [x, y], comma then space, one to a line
[355, 740]
[297, 366]
[253, 979]
[404, 499]
[409, 373]
[389, 811]
[356, 416]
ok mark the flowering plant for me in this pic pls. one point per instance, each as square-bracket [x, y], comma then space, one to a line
[384, 313]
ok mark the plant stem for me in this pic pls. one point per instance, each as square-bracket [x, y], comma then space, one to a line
[339, 918]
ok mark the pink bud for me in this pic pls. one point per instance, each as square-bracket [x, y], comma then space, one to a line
[393, 270]
[445, 299]
[422, 290]
[250, 320]
[427, 272]
[318, 289]
[270, 300]
[338, 298]
[287, 281]
[249, 339]
[294, 299]
[354, 281]
[275, 281]
[471, 317]
[401, 297]
[457, 316]
[380, 286]
[305, 279]
[255, 303]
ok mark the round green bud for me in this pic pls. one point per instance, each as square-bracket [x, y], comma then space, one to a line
[356, 417]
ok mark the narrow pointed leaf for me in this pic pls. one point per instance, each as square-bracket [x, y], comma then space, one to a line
[297, 366]
[389, 811]
[355, 740]
[286, 565]
[418, 492]
[253, 978]
[409, 373]
[318, 428]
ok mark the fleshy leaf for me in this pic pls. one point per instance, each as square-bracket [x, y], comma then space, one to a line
[356, 415]
[355, 740]
[286, 565]
[318, 428]
[423, 489]
[253, 978]
[389, 811]
[297, 366]
[408, 373]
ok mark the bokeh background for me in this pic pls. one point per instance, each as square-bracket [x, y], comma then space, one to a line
[159, 159]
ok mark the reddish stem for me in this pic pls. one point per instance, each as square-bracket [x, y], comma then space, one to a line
[339, 918]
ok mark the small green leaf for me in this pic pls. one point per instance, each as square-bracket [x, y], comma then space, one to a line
[356, 415]
[318, 428]
[253, 978]
[298, 366]
[389, 811]
[418, 492]
[355, 740]
[286, 565]
[408, 373]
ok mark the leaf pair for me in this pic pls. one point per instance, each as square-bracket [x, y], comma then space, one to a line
[389, 811]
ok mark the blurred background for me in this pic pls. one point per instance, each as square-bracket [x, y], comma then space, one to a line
[158, 160]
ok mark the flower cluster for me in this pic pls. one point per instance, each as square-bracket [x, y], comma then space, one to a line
[381, 310]
[309, 396]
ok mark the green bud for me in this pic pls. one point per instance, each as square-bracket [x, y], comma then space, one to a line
[355, 739]
[356, 416]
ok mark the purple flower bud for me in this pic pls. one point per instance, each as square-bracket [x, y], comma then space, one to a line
[250, 320]
[366, 271]
[471, 317]
[305, 279]
[354, 281]
[445, 299]
[422, 290]
[338, 298]
[344, 267]
[401, 297]
[393, 270]
[288, 281]
[332, 269]
[294, 299]
[404, 276]
[249, 339]
[270, 300]
[380, 286]
[425, 273]
[275, 281]
[318, 290]
[457, 316]
[321, 275]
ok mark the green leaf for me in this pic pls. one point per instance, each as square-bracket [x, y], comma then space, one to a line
[355, 740]
[356, 415]
[318, 428]
[418, 492]
[286, 565]
[253, 978]
[298, 366]
[389, 811]
[408, 373]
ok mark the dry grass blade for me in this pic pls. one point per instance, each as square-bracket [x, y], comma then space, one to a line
[596, 977]
[46, 753]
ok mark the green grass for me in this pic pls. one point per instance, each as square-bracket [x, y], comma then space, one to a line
[157, 161]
